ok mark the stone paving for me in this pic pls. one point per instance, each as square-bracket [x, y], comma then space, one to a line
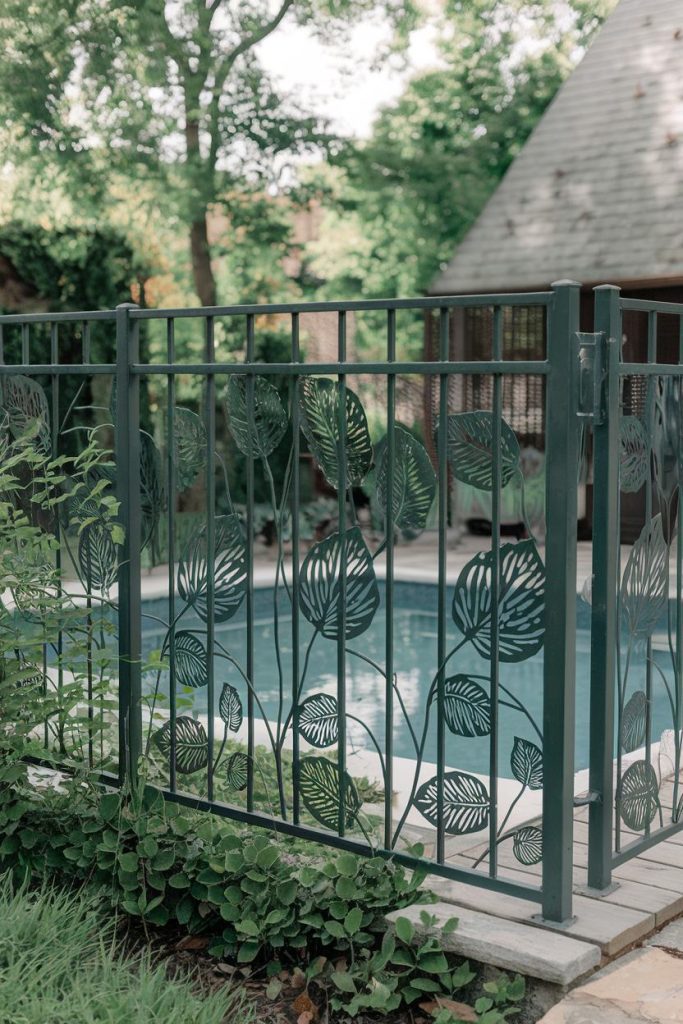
[645, 987]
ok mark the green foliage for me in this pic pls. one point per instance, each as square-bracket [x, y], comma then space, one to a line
[60, 962]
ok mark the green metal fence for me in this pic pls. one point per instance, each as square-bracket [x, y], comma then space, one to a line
[637, 620]
[276, 742]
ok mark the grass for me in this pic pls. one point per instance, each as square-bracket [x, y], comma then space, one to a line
[60, 962]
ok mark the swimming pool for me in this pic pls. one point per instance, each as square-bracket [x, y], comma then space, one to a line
[415, 663]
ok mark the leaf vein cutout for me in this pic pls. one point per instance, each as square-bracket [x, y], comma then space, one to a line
[189, 437]
[521, 603]
[469, 449]
[527, 845]
[319, 417]
[633, 456]
[189, 655]
[230, 707]
[25, 404]
[466, 803]
[644, 587]
[257, 421]
[319, 590]
[467, 708]
[237, 771]
[319, 720]
[413, 483]
[526, 761]
[97, 557]
[638, 796]
[320, 790]
[634, 722]
[229, 570]
[191, 744]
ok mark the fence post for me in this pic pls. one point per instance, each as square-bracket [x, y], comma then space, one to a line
[127, 446]
[562, 460]
[605, 570]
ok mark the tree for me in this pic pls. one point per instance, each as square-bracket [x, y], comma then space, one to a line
[168, 89]
[401, 202]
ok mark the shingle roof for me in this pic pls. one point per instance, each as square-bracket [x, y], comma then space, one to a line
[597, 192]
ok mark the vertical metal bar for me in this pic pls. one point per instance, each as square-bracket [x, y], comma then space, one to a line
[496, 484]
[127, 439]
[25, 355]
[649, 416]
[679, 610]
[250, 568]
[341, 594]
[54, 358]
[441, 598]
[389, 582]
[296, 355]
[559, 662]
[210, 549]
[605, 569]
[85, 359]
[171, 476]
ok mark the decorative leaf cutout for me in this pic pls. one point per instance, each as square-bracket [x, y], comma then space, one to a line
[638, 796]
[319, 786]
[414, 481]
[527, 845]
[633, 456]
[26, 409]
[634, 722]
[467, 708]
[521, 602]
[260, 433]
[320, 584]
[319, 415]
[97, 558]
[189, 446]
[237, 771]
[230, 707]
[466, 803]
[228, 570]
[319, 720]
[191, 744]
[644, 587]
[470, 449]
[190, 659]
[526, 762]
[152, 498]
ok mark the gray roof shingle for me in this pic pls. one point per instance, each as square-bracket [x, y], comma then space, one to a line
[597, 192]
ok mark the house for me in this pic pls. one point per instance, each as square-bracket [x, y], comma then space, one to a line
[596, 195]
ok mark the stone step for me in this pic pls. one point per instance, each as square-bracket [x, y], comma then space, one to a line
[508, 945]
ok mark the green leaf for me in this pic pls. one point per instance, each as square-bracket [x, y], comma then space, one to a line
[319, 720]
[267, 857]
[404, 930]
[348, 865]
[634, 459]
[189, 656]
[97, 558]
[191, 744]
[128, 861]
[521, 602]
[319, 592]
[634, 722]
[527, 845]
[189, 437]
[638, 796]
[469, 448]
[526, 761]
[644, 586]
[109, 806]
[237, 771]
[353, 920]
[228, 569]
[467, 708]
[413, 481]
[466, 803]
[257, 425]
[230, 707]
[343, 981]
[319, 417]
[319, 786]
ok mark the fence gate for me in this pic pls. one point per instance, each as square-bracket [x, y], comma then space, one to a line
[636, 367]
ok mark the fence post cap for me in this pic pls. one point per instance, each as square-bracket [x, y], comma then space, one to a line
[127, 305]
[607, 288]
[566, 283]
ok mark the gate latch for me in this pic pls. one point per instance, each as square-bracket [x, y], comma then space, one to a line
[591, 352]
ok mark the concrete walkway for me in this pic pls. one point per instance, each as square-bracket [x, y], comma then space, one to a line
[645, 987]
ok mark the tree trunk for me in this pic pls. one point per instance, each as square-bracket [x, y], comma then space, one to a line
[202, 271]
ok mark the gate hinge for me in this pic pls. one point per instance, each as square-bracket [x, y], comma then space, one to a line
[590, 798]
[592, 369]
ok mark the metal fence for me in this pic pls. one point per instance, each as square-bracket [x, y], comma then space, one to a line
[275, 690]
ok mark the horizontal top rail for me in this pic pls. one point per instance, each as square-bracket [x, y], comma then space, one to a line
[52, 318]
[652, 306]
[359, 368]
[420, 302]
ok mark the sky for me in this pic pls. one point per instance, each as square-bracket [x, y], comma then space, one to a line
[321, 75]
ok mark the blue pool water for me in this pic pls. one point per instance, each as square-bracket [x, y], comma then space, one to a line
[415, 663]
